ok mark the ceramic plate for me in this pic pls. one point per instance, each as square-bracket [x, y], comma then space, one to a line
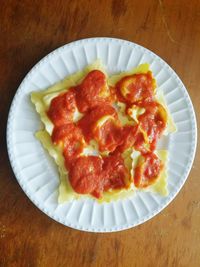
[35, 170]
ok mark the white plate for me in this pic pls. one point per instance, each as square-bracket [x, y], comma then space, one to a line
[36, 171]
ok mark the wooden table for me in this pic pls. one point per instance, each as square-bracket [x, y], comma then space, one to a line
[31, 29]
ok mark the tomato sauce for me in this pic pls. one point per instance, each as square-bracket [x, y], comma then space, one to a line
[128, 137]
[93, 97]
[71, 139]
[62, 108]
[92, 91]
[114, 171]
[85, 175]
[147, 172]
[136, 87]
[89, 122]
[153, 122]
[108, 136]
[95, 175]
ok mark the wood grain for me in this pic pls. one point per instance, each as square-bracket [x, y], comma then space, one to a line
[31, 29]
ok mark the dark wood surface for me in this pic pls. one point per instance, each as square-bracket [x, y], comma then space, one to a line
[28, 31]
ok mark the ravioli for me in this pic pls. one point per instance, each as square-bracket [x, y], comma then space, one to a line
[42, 101]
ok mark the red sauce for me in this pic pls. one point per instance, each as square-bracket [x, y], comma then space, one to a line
[96, 174]
[85, 175]
[114, 172]
[136, 87]
[148, 172]
[139, 144]
[153, 122]
[71, 138]
[90, 92]
[93, 175]
[108, 136]
[128, 137]
[62, 108]
[89, 121]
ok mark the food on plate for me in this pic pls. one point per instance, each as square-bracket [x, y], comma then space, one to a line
[103, 132]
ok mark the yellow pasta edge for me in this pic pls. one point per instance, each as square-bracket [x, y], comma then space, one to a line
[142, 68]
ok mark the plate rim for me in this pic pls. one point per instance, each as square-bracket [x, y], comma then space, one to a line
[186, 171]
